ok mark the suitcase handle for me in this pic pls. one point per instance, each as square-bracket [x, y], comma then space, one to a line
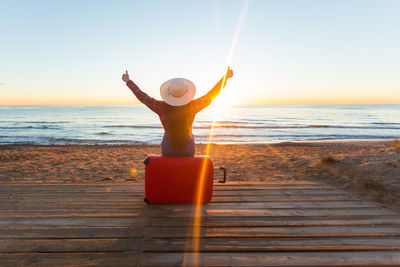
[224, 170]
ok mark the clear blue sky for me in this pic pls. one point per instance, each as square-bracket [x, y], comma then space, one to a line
[74, 52]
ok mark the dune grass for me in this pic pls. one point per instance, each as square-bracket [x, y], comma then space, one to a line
[395, 143]
[328, 157]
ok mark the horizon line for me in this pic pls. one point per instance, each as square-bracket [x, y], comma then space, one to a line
[233, 105]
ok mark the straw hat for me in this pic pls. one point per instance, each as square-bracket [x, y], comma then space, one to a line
[177, 91]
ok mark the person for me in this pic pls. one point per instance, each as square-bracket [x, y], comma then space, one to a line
[177, 111]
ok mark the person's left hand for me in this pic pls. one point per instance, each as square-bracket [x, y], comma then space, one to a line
[125, 76]
[229, 73]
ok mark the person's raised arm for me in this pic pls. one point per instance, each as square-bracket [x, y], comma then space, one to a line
[150, 102]
[206, 99]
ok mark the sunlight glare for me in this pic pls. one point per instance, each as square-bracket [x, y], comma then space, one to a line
[219, 106]
[238, 28]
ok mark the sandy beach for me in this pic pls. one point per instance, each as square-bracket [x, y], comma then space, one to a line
[370, 168]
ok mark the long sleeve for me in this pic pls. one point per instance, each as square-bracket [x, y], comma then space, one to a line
[151, 103]
[204, 101]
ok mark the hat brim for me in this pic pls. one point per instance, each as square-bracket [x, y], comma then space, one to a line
[178, 101]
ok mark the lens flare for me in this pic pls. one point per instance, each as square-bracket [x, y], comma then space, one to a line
[237, 32]
[196, 232]
[133, 172]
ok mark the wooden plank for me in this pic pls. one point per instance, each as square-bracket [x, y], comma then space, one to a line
[70, 215]
[353, 221]
[83, 198]
[108, 195]
[76, 195]
[73, 232]
[76, 188]
[70, 245]
[378, 258]
[69, 259]
[215, 199]
[266, 186]
[168, 211]
[189, 212]
[72, 184]
[82, 188]
[262, 192]
[11, 202]
[49, 193]
[128, 189]
[269, 244]
[181, 232]
[205, 221]
[72, 221]
[72, 206]
[313, 198]
[247, 205]
[74, 212]
[61, 197]
[262, 198]
[207, 231]
[271, 181]
[268, 206]
[295, 204]
[253, 232]
[112, 183]
[265, 214]
[76, 206]
[29, 207]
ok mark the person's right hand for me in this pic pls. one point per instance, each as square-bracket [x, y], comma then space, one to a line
[125, 76]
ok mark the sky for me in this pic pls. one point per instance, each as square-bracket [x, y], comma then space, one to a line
[286, 52]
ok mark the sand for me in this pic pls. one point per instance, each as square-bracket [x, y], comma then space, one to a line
[369, 169]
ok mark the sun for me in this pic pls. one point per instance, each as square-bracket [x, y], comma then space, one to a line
[221, 104]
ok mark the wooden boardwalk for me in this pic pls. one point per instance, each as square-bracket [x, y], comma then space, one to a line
[296, 223]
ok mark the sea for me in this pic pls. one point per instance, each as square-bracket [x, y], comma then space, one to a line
[136, 124]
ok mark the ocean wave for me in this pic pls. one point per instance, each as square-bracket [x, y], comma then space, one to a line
[354, 127]
[47, 122]
[134, 126]
[103, 133]
[230, 135]
[319, 126]
[13, 136]
[19, 142]
[294, 127]
[387, 123]
[199, 139]
[376, 126]
[317, 136]
[63, 140]
[232, 122]
[22, 122]
[263, 126]
[43, 127]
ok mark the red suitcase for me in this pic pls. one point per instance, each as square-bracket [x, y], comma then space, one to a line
[178, 179]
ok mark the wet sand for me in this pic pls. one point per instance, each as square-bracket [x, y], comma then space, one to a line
[370, 169]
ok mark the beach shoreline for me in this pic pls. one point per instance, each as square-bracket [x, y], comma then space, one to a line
[370, 169]
[317, 142]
